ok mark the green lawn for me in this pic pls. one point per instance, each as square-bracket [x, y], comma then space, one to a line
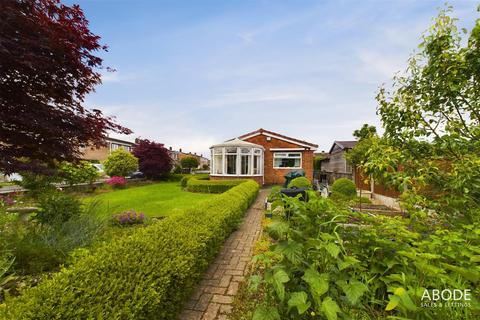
[160, 199]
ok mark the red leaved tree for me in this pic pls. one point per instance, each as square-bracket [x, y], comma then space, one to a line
[47, 67]
[153, 158]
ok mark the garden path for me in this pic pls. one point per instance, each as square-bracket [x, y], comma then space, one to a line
[212, 299]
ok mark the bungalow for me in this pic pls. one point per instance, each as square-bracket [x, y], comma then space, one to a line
[262, 155]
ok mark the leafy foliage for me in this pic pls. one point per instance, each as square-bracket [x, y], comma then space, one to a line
[189, 162]
[48, 67]
[194, 184]
[300, 182]
[332, 263]
[74, 173]
[344, 187]
[57, 207]
[153, 158]
[168, 258]
[120, 163]
[431, 118]
[365, 132]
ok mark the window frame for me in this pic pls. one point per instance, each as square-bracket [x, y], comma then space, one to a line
[254, 152]
[276, 155]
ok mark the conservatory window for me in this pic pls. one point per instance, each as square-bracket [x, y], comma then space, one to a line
[218, 160]
[245, 163]
[256, 164]
[287, 160]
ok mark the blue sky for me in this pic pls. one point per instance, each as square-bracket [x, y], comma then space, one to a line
[194, 73]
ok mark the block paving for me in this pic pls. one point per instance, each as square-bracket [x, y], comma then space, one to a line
[213, 297]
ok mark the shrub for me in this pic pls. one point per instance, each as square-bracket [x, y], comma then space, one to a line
[146, 275]
[36, 184]
[189, 162]
[120, 163]
[74, 173]
[57, 207]
[183, 182]
[117, 182]
[344, 187]
[128, 218]
[153, 158]
[195, 184]
[300, 182]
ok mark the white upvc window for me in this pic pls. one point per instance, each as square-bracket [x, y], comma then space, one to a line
[237, 161]
[287, 160]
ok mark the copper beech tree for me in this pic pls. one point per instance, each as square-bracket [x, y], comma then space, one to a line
[47, 67]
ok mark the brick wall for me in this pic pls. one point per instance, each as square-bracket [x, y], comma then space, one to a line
[99, 154]
[276, 176]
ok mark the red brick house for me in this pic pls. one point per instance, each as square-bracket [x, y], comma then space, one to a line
[262, 155]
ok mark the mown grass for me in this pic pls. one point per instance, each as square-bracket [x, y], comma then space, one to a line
[154, 200]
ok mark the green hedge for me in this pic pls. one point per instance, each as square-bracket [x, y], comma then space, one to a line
[184, 180]
[195, 184]
[147, 275]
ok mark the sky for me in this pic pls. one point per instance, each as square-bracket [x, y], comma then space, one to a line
[194, 73]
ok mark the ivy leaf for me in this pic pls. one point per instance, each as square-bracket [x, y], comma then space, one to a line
[300, 301]
[317, 282]
[354, 290]
[266, 313]
[333, 249]
[330, 308]
[279, 278]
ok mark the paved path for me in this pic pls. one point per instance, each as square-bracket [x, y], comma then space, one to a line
[213, 297]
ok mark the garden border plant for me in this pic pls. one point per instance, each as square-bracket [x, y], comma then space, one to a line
[146, 275]
[194, 184]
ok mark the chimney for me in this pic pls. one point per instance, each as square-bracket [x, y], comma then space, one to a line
[170, 148]
[180, 150]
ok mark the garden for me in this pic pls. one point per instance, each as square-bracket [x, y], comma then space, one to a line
[168, 226]
[323, 258]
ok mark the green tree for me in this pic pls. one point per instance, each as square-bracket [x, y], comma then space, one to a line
[365, 132]
[120, 163]
[81, 172]
[432, 124]
[189, 162]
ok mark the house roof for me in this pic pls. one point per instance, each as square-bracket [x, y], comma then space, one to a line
[277, 136]
[237, 143]
[109, 139]
[343, 145]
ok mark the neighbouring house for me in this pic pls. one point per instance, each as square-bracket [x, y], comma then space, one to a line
[262, 155]
[102, 153]
[335, 165]
[178, 155]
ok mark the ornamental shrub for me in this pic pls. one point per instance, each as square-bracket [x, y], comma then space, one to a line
[145, 275]
[344, 188]
[74, 173]
[200, 184]
[153, 158]
[120, 163]
[117, 182]
[300, 182]
[128, 218]
[57, 207]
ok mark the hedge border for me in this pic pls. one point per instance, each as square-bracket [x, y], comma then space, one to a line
[194, 184]
[147, 275]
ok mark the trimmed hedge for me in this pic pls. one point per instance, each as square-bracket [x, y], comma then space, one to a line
[300, 182]
[184, 180]
[211, 186]
[344, 187]
[147, 275]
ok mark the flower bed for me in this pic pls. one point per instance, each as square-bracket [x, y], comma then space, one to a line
[146, 275]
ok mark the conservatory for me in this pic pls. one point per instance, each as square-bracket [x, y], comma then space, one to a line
[236, 158]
